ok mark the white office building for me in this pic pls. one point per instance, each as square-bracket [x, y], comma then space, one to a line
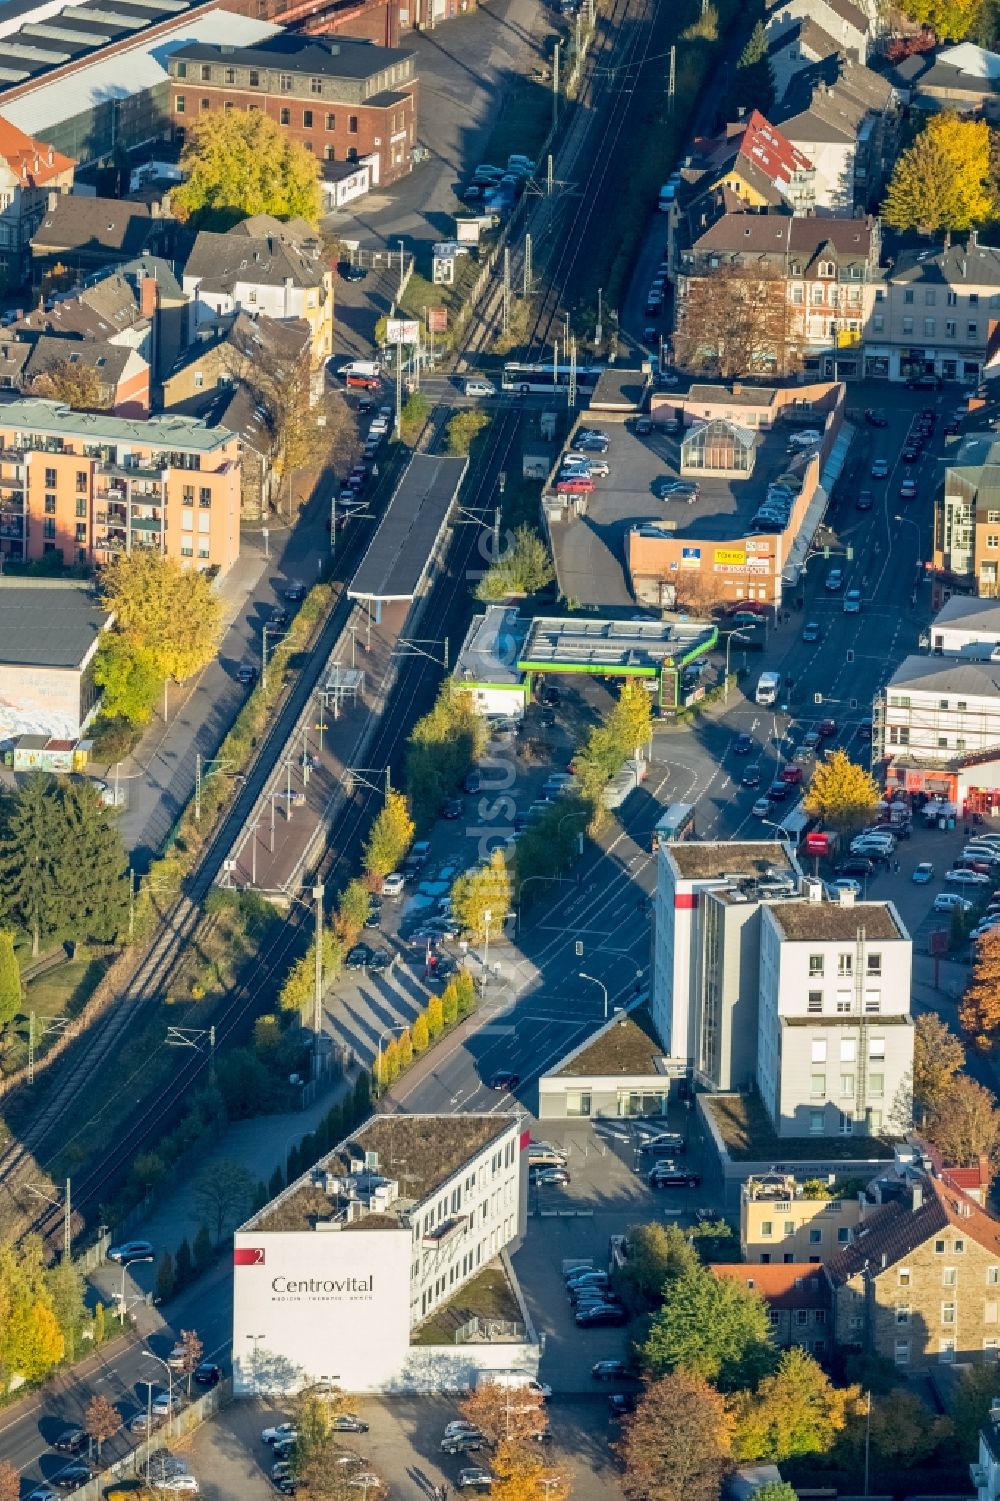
[966, 627]
[835, 1035]
[705, 952]
[332, 1277]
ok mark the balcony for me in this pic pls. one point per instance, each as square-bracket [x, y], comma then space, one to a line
[14, 531]
[134, 471]
[979, 1475]
[148, 524]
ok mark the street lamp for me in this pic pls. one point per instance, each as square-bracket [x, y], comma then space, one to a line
[148, 1355]
[396, 1027]
[149, 1420]
[256, 1341]
[487, 919]
[729, 646]
[125, 1272]
[604, 989]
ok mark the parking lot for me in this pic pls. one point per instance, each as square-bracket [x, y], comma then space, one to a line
[590, 550]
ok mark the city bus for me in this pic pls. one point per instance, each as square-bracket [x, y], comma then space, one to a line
[545, 377]
[674, 824]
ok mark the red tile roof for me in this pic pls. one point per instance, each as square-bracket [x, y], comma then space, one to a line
[764, 145]
[33, 162]
[792, 1284]
[896, 1230]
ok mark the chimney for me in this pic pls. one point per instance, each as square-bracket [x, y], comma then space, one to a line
[916, 1196]
[149, 296]
[973, 239]
[845, 897]
[814, 890]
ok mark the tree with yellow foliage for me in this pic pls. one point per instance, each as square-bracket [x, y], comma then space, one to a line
[171, 615]
[841, 793]
[480, 898]
[238, 163]
[522, 1476]
[505, 1414]
[979, 1008]
[943, 180]
[951, 20]
[390, 838]
[796, 1411]
[677, 1446]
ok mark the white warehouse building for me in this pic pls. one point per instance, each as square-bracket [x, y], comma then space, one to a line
[332, 1276]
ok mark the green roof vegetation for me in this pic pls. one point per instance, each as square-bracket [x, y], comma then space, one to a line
[746, 1129]
[487, 1296]
[629, 1046]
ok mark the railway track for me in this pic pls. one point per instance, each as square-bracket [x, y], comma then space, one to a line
[596, 131]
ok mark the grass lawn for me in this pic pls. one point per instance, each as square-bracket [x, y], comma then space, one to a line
[487, 1296]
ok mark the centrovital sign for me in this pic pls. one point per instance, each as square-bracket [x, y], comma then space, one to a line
[320, 1303]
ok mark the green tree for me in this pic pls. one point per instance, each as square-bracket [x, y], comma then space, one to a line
[299, 990]
[184, 1264]
[223, 1194]
[100, 1325]
[712, 1327]
[841, 792]
[31, 860]
[481, 898]
[172, 615]
[463, 429]
[416, 410]
[420, 1034]
[943, 180]
[353, 906]
[94, 870]
[677, 1446]
[795, 1411]
[656, 1254]
[127, 677]
[388, 1065]
[631, 719]
[753, 84]
[405, 1050]
[442, 748]
[165, 1278]
[202, 1248]
[449, 1003]
[238, 163]
[435, 1017]
[466, 993]
[10, 980]
[776, 1490]
[390, 837]
[66, 1289]
[523, 567]
[902, 1431]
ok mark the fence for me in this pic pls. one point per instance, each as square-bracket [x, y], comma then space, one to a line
[132, 1464]
[477, 1330]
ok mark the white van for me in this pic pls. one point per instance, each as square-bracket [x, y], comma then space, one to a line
[480, 387]
[768, 685]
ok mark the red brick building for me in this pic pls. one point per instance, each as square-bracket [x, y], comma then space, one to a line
[342, 98]
[375, 20]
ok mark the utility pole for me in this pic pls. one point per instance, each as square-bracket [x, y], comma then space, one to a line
[671, 79]
[599, 330]
[318, 997]
[131, 904]
[571, 386]
[555, 86]
[399, 393]
[548, 177]
[527, 266]
[505, 324]
[579, 23]
[555, 364]
[67, 1221]
[197, 786]
[31, 1047]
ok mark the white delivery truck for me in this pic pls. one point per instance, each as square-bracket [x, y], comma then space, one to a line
[768, 687]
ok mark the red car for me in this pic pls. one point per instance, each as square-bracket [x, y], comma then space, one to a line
[827, 727]
[792, 775]
[579, 485]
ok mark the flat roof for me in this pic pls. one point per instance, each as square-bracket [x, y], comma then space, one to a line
[591, 644]
[400, 552]
[815, 921]
[169, 431]
[946, 675]
[748, 1135]
[627, 1045]
[620, 390]
[492, 647]
[49, 622]
[713, 860]
[419, 1152]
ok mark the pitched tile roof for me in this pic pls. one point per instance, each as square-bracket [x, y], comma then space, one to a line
[790, 1285]
[786, 235]
[99, 311]
[219, 262]
[829, 100]
[806, 32]
[762, 144]
[78, 221]
[108, 360]
[897, 1229]
[34, 163]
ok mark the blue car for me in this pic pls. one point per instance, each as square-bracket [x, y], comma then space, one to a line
[923, 873]
[743, 745]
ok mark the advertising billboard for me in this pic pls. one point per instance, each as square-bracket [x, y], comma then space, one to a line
[402, 330]
[319, 1304]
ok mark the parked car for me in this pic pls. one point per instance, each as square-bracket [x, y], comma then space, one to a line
[279, 1431]
[549, 1177]
[664, 1141]
[601, 1315]
[348, 1422]
[130, 1250]
[665, 1175]
[73, 1475]
[475, 1478]
[608, 1370]
[875, 417]
[392, 885]
[951, 901]
[207, 1374]
[959, 877]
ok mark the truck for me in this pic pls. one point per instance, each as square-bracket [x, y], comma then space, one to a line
[510, 1380]
[768, 687]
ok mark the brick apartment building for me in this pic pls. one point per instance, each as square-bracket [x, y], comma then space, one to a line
[91, 486]
[342, 98]
[379, 20]
[921, 1285]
